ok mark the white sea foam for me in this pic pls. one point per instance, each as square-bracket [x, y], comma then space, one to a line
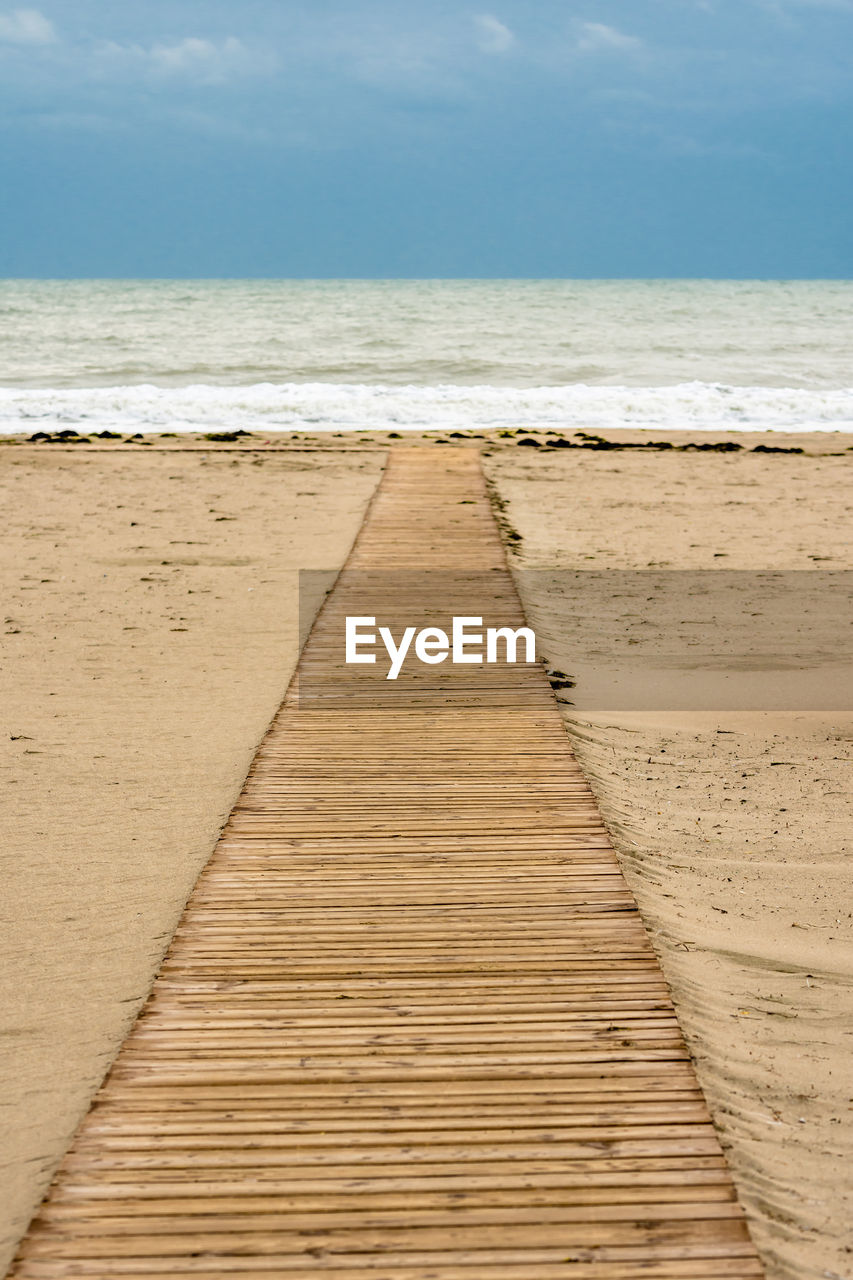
[329, 406]
[333, 406]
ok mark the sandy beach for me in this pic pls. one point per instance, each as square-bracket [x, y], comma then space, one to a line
[151, 628]
[152, 625]
[718, 744]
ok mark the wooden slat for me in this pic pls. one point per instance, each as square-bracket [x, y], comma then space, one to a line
[410, 1026]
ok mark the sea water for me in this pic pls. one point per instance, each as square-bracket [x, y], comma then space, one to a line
[337, 354]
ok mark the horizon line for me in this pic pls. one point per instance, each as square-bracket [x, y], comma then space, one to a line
[426, 279]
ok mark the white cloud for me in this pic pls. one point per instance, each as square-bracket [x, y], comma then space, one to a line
[26, 26]
[193, 60]
[492, 35]
[204, 60]
[595, 37]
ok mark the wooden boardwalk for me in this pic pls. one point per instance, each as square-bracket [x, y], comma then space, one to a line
[410, 1026]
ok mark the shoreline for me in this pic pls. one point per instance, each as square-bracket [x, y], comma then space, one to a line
[598, 439]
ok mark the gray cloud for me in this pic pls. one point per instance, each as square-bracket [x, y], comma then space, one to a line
[363, 69]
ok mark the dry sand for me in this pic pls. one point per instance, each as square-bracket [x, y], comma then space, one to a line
[152, 629]
[150, 605]
[719, 746]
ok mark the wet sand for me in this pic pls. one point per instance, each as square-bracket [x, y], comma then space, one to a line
[719, 745]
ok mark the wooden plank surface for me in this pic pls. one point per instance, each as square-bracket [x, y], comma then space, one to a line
[410, 1026]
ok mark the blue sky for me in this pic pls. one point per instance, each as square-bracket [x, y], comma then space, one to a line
[370, 138]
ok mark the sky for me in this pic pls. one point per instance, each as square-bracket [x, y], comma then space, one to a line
[422, 138]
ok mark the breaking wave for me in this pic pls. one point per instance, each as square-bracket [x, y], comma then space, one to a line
[330, 406]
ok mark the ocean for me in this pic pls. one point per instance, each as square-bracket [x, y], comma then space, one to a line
[183, 355]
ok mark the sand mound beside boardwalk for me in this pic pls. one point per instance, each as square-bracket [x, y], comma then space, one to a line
[151, 630]
[748, 906]
[733, 823]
